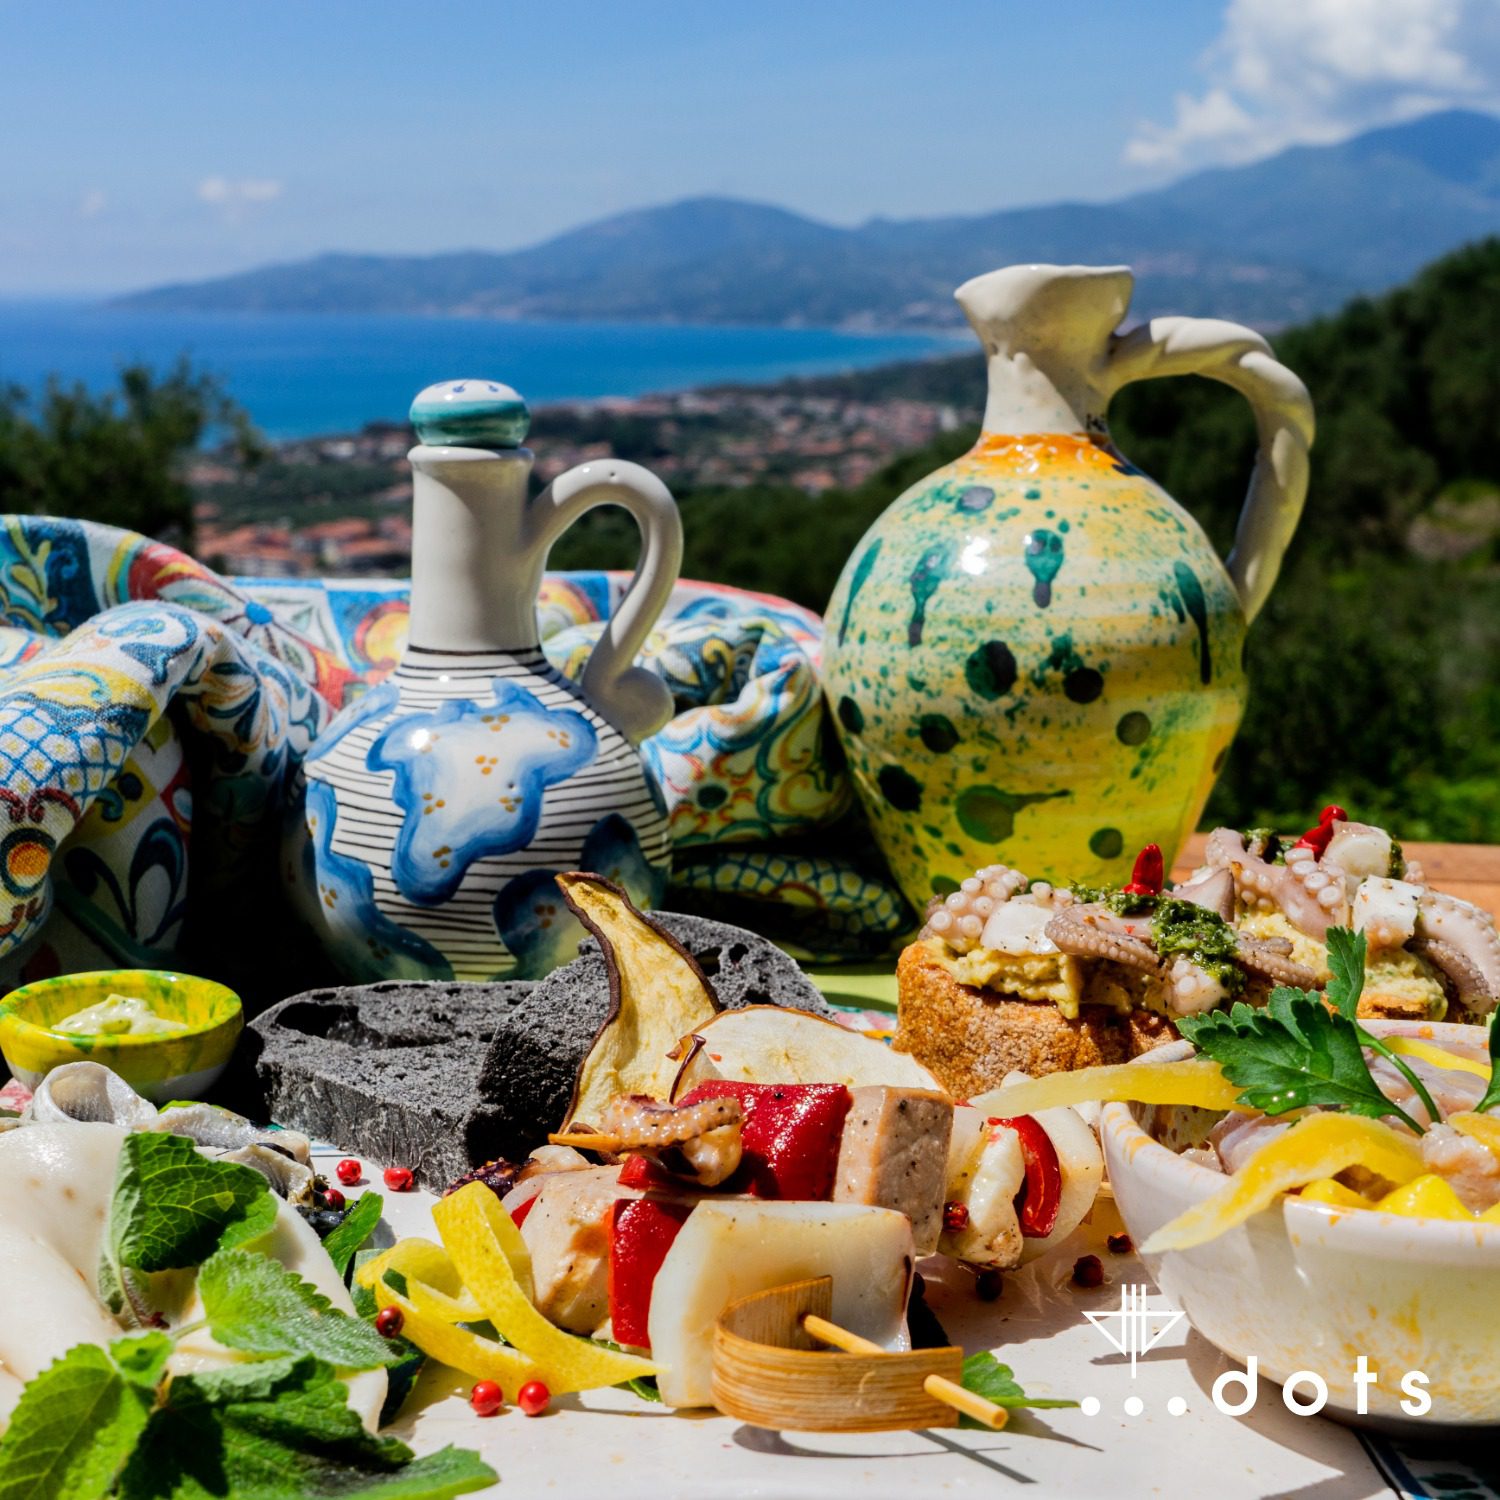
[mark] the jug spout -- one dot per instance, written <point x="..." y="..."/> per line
<point x="474" y="570"/>
<point x="1046" y="332"/>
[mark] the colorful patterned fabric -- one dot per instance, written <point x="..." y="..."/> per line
<point x="151" y="710"/>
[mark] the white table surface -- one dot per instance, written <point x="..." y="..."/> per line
<point x="612" y="1445"/>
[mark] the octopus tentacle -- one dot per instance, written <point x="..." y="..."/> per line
<point x="1213" y="891"/>
<point x="705" y="1135"/>
<point x="1311" y="899"/>
<point x="1268" y="957"/>
<point x="959" y="917"/>
<point x="1093" y="931"/>
<point x="1458" y="933"/>
<point x="1467" y="983"/>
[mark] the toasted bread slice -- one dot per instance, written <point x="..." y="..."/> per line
<point x="972" y="1038"/>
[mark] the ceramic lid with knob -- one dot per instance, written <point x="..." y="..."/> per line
<point x="470" y="414"/>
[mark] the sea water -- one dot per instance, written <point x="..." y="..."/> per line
<point x="299" y="375"/>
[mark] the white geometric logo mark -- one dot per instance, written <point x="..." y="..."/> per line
<point x="1141" y="1328"/>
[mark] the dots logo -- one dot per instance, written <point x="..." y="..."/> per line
<point x="1140" y="1326"/>
<point x="1135" y="1327"/>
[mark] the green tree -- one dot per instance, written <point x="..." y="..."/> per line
<point x="117" y="456"/>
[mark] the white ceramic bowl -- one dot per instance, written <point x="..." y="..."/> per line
<point x="1304" y="1286"/>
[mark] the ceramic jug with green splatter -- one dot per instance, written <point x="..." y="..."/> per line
<point x="1035" y="656"/>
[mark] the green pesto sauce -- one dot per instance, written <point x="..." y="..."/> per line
<point x="1202" y="936"/>
<point x="1177" y="927"/>
<point x="1121" y="903"/>
<point x="1398" y="862"/>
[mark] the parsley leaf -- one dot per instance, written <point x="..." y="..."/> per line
<point x="254" y="1303"/>
<point x="986" y="1376"/>
<point x="1492" y="1093"/>
<point x="282" y="1430"/>
<point x="73" y="1428"/>
<point x="1292" y="1054"/>
<point x="1346" y="961"/>
<point x="358" y="1225"/>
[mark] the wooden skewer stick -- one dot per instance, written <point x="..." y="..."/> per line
<point x="949" y="1392"/>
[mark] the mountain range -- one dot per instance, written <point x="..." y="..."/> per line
<point x="1275" y="241"/>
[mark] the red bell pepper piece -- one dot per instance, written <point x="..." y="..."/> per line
<point x="643" y="1173"/>
<point x="1040" y="1197"/>
<point x="790" y="1137"/>
<point x="1318" y="839"/>
<point x="1149" y="872"/>
<point x="518" y="1214"/>
<point x="641" y="1231"/>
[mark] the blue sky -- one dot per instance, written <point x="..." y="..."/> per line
<point x="155" y="141"/>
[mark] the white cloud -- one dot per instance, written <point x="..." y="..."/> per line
<point x="243" y="190"/>
<point x="232" y="194"/>
<point x="92" y="204"/>
<point x="1284" y="72"/>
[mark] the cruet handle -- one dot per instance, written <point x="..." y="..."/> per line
<point x="1240" y="358"/>
<point x="637" y="702"/>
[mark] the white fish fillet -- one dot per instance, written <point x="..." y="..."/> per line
<point x="55" y="1187"/>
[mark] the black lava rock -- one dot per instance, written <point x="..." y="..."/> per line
<point x="443" y="1077"/>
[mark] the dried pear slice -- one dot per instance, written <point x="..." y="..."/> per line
<point x="657" y="995"/>
<point x="766" y="1044"/>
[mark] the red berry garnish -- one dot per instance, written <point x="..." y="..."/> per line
<point x="1088" y="1270"/>
<point x="388" y="1322"/>
<point x="533" y="1398"/>
<point x="399" y="1179"/>
<point x="988" y="1285"/>
<point x="1119" y="1244"/>
<point x="333" y="1198"/>
<point x="955" y="1218"/>
<point x="487" y="1398"/>
<point x="349" y="1171"/>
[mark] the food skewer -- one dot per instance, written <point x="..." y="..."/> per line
<point x="939" y="1387"/>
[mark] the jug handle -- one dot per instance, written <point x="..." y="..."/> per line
<point x="637" y="702"/>
<point x="1240" y="358"/>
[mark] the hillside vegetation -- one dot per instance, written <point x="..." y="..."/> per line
<point x="1375" y="669"/>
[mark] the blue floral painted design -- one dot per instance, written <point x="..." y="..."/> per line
<point x="346" y="899"/>
<point x="533" y="920"/>
<point x="522" y="745"/>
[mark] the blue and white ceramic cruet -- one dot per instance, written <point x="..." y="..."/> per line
<point x="440" y="804"/>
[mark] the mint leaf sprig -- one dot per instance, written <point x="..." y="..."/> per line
<point x="278" y="1426"/>
<point x="170" y="1209"/>
<point x="278" y="1429"/>
<point x="358" y="1225"/>
<point x="986" y="1376"/>
<point x="1346" y="958"/>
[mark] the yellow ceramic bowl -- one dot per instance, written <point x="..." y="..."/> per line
<point x="183" y="1065"/>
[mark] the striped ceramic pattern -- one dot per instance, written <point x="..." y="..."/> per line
<point x="396" y="901"/>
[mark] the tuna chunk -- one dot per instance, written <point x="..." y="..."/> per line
<point x="894" y="1154"/>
